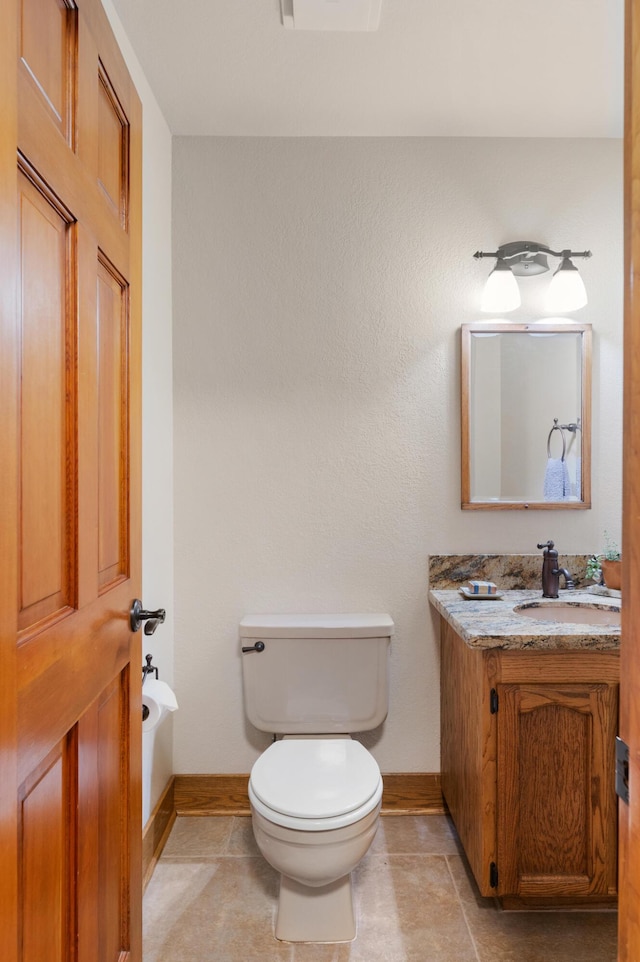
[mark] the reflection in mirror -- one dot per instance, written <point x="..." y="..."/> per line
<point x="526" y="415"/>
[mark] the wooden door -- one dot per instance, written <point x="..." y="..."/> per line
<point x="556" y="804"/>
<point x="70" y="693"/>
<point x="629" y="883"/>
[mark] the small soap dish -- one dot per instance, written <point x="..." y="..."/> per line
<point x="476" y="597"/>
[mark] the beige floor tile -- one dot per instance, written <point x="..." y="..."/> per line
<point x="533" y="936"/>
<point x="198" y="837"/>
<point x="242" y="840"/>
<point x="173" y="889"/>
<point x="215" y="911"/>
<point x="408" y="911"/>
<point x="415" y="835"/>
<point x="213" y="898"/>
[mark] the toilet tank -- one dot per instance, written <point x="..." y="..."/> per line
<point x="317" y="674"/>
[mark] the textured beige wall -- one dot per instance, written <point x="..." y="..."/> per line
<point x="319" y="286"/>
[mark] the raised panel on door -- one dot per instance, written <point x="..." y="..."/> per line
<point x="113" y="811"/>
<point x="556" y="809"/>
<point x="48" y="37"/>
<point x="113" y="147"/>
<point x="104" y="800"/>
<point x="47" y="407"/>
<point x="47" y="801"/>
<point x="113" y="424"/>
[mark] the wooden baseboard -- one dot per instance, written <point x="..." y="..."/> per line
<point x="410" y="793"/>
<point x="413" y="793"/>
<point x="156" y="831"/>
<point x="212" y="795"/>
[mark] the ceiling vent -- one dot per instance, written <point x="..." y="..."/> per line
<point x="331" y="14"/>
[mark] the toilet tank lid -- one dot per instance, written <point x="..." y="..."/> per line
<point x="317" y="626"/>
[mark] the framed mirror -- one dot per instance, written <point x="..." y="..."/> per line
<point x="526" y="415"/>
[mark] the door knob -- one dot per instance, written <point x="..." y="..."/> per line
<point x="137" y="614"/>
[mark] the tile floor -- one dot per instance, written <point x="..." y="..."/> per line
<point x="213" y="897"/>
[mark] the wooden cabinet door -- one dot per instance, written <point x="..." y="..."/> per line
<point x="556" y="802"/>
<point x="70" y="198"/>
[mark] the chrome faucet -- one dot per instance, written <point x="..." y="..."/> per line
<point x="551" y="572"/>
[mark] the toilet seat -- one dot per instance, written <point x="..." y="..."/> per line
<point x="315" y="784"/>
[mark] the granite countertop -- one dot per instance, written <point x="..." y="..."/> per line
<point x="492" y="623"/>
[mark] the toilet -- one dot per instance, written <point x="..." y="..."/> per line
<point x="315" y="793"/>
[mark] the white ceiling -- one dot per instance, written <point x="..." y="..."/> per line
<point x="495" y="68"/>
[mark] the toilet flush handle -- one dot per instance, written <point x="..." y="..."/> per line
<point x="259" y="646"/>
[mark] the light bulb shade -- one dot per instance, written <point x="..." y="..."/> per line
<point x="566" y="290"/>
<point x="501" y="292"/>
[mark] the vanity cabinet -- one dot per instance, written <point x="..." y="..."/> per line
<point x="528" y="756"/>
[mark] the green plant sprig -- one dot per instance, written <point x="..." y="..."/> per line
<point x="594" y="563"/>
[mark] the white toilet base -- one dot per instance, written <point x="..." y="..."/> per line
<point x="315" y="914"/>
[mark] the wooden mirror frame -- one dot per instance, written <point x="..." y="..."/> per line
<point x="539" y="327"/>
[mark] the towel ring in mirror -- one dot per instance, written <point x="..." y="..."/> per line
<point x="557" y="427"/>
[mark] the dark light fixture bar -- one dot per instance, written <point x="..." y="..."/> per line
<point x="529" y="248"/>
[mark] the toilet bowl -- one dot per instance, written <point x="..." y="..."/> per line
<point x="315" y="804"/>
<point x="315" y="793"/>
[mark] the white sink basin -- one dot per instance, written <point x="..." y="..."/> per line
<point x="577" y="614"/>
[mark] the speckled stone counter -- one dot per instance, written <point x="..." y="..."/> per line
<point x="493" y="623"/>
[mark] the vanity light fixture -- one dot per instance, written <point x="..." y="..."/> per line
<point x="524" y="258"/>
